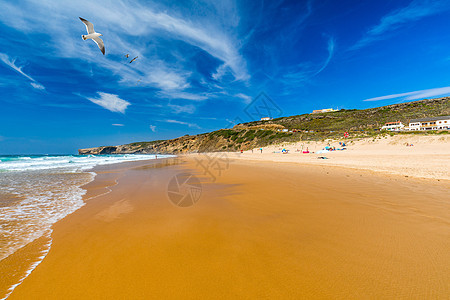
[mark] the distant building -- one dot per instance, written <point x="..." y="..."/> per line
<point x="285" y="130"/>
<point x="325" y="110"/>
<point x="266" y="119"/>
<point x="436" y="123"/>
<point x="393" y="126"/>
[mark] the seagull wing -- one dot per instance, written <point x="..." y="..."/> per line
<point x="89" y="25"/>
<point x="133" y="59"/>
<point x="100" y="44"/>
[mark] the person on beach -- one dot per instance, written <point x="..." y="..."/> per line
<point x="260" y="149"/>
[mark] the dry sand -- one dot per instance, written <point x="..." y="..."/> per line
<point x="261" y="230"/>
<point x="428" y="158"/>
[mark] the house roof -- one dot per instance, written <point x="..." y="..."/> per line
<point x="392" y="123"/>
<point x="430" y="119"/>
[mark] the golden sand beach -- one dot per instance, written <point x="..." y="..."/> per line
<point x="260" y="230"/>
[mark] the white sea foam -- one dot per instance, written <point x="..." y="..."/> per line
<point x="72" y="162"/>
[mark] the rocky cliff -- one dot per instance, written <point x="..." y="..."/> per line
<point x="240" y="137"/>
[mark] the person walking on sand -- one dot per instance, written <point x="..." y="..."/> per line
<point x="260" y="149"/>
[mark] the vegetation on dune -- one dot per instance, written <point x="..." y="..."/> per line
<point x="306" y="127"/>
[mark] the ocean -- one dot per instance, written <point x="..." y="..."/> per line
<point x="38" y="190"/>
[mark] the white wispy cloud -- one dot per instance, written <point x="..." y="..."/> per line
<point x="443" y="91"/>
<point x="12" y="64"/>
<point x="118" y="125"/>
<point x="191" y="125"/>
<point x="174" y="94"/>
<point x="152" y="128"/>
<point x="110" y="102"/>
<point x="37" y="86"/>
<point x="415" y="10"/>
<point x="189" y="109"/>
<point x="247" y="99"/>
<point x="135" y="27"/>
<point x="330" y="48"/>
<point x="307" y="70"/>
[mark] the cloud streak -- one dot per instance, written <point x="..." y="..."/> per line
<point x="110" y="102"/>
<point x="305" y="71"/>
<point x="414" y="11"/>
<point x="12" y="64"/>
<point x="124" y="26"/>
<point x="189" y="109"/>
<point x="247" y="99"/>
<point x="415" y="95"/>
<point x="331" y="47"/>
<point x="191" y="125"/>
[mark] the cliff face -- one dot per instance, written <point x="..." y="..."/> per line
<point x="303" y="127"/>
<point x="240" y="137"/>
<point x="198" y="143"/>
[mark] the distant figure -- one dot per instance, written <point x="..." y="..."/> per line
<point x="93" y="35"/>
<point x="260" y="149"/>
<point x="127" y="55"/>
<point x="242" y="151"/>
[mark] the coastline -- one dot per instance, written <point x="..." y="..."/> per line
<point x="262" y="229"/>
<point x="18" y="265"/>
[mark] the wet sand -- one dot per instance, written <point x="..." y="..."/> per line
<point x="261" y="230"/>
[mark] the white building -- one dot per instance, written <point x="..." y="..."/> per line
<point x="266" y="119"/>
<point x="325" y="110"/>
<point x="393" y="126"/>
<point x="436" y="123"/>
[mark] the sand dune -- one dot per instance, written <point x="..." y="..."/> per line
<point x="428" y="158"/>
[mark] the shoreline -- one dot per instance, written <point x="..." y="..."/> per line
<point x="251" y="232"/>
<point x="22" y="262"/>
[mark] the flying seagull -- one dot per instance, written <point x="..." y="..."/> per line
<point x="93" y="35"/>
<point x="127" y="55"/>
<point x="133" y="59"/>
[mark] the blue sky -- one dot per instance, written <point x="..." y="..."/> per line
<point x="200" y="64"/>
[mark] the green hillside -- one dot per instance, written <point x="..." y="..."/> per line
<point x="358" y="123"/>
